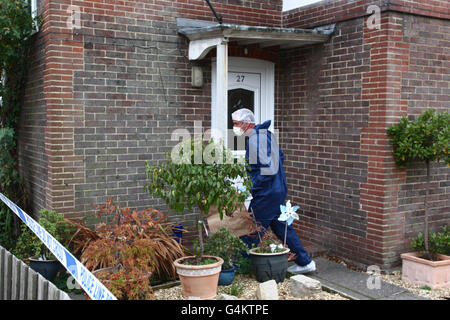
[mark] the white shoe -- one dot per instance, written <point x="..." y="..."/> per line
<point x="310" y="267"/>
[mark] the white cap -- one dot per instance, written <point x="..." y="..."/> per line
<point x="243" y="115"/>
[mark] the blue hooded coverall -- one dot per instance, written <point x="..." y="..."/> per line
<point x="269" y="189"/>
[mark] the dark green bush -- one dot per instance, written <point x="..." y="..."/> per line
<point x="225" y="245"/>
<point x="29" y="245"/>
<point x="437" y="242"/>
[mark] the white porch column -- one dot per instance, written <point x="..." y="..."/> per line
<point x="219" y="118"/>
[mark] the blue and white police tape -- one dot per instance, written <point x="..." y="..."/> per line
<point x="91" y="285"/>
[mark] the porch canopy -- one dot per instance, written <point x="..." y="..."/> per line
<point x="205" y="35"/>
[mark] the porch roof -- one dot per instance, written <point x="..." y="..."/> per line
<point x="285" y="38"/>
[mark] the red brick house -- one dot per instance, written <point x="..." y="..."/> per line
<point x="106" y="91"/>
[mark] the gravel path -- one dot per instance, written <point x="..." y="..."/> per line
<point x="249" y="285"/>
<point x="395" y="278"/>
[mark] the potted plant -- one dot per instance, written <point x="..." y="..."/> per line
<point x="200" y="175"/>
<point x="32" y="250"/>
<point x="426" y="139"/>
<point x="438" y="243"/>
<point x="225" y="245"/>
<point x="270" y="257"/>
<point x="137" y="246"/>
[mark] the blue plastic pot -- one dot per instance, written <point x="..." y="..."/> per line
<point x="226" y="277"/>
<point x="177" y="234"/>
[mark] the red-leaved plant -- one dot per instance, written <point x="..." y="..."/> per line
<point x="137" y="246"/>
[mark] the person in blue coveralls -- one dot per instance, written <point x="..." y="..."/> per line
<point x="269" y="188"/>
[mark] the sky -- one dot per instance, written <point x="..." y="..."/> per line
<point x="292" y="4"/>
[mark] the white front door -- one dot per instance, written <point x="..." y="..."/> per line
<point x="251" y="86"/>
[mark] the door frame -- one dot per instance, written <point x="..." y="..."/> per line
<point x="267" y="91"/>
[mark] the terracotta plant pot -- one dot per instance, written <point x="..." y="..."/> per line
<point x="199" y="281"/>
<point x="434" y="274"/>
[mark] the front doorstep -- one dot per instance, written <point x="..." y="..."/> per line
<point x="434" y="274"/>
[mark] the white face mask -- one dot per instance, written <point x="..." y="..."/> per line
<point x="238" y="131"/>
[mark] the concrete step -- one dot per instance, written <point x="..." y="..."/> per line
<point x="355" y="285"/>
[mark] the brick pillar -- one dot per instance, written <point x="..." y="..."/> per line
<point x="382" y="88"/>
<point x="63" y="55"/>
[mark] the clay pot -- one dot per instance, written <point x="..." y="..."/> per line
<point x="434" y="274"/>
<point x="199" y="281"/>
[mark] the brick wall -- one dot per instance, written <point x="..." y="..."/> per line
<point x="135" y="89"/>
<point x="321" y="116"/>
<point x="425" y="84"/>
<point x="112" y="92"/>
<point x="32" y="158"/>
<point x="331" y="11"/>
<point x="356" y="202"/>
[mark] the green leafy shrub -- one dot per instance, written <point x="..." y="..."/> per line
<point x="235" y="289"/>
<point x="184" y="181"/>
<point x="437" y="242"/>
<point x="425" y="139"/>
<point x="29" y="245"/>
<point x="227" y="246"/>
<point x="244" y="265"/>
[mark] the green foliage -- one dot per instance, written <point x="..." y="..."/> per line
<point x="438" y="242"/>
<point x="29" y="245"/>
<point x="8" y="176"/>
<point x="235" y="289"/>
<point x="16" y="28"/>
<point x="225" y="245"/>
<point x="203" y="262"/>
<point x="200" y="175"/>
<point x="265" y="246"/>
<point x="188" y="182"/>
<point x="425" y="139"/>
<point x="60" y="282"/>
<point x="244" y="265"/>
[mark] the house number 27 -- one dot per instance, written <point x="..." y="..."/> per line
<point x="240" y="78"/>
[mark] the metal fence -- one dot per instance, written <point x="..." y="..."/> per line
<point x="19" y="282"/>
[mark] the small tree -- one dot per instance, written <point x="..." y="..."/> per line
<point x="198" y="174"/>
<point x="425" y="139"/>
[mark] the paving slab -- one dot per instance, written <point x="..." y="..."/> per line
<point x="356" y="285"/>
